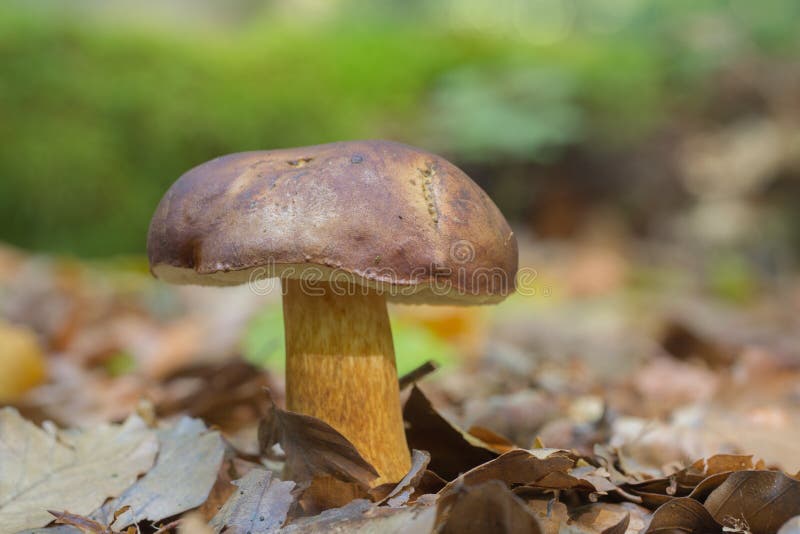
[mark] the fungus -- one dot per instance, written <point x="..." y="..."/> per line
<point x="346" y="231"/>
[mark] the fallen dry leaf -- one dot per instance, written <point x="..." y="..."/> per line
<point x="696" y="481"/>
<point x="228" y="395"/>
<point x="313" y="448"/>
<point x="761" y="500"/>
<point x="184" y="473"/>
<point x="194" y="523"/>
<point x="232" y="468"/>
<point x="43" y="468"/>
<point x="685" y="343"/>
<point x="488" y="507"/>
<point x="707" y="485"/>
<point x="498" y="443"/>
<point x="600" y="518"/>
<point x="259" y="506"/>
<point x="683" y="515"/>
<point x="452" y="451"/>
<point x="640" y="517"/>
<point x="792" y="526"/>
<point x="403" y="490"/>
<point x="518" y="466"/>
<point x="363" y="517"/>
<point x="430" y="483"/>
<point x="550" y="513"/>
<point x="82" y="523"/>
<point x="326" y="492"/>
<point x="720" y="463"/>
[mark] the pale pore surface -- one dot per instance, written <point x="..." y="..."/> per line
<point x="398" y="291"/>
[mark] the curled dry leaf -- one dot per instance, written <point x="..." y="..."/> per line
<point x="452" y="450"/>
<point x="761" y="500"/>
<point x="313" y="448"/>
<point x="697" y="481"/>
<point x="403" y="490"/>
<point x="519" y="466"/>
<point x="608" y="457"/>
<point x="185" y="471"/>
<point x="597" y="477"/>
<point x="326" y="492"/>
<point x="259" y="506"/>
<point x="488" y="507"/>
<point x="721" y="463"/>
<point x="102" y="462"/>
<point x="683" y="515"/>
<point x="495" y="441"/>
<point x="707" y="485"/>
<point x="429" y="484"/>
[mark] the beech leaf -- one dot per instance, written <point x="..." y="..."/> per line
<point x="364" y="517"/>
<point x="761" y="500"/>
<point x="600" y="518"/>
<point x="488" y="507"/>
<point x="452" y="450"/>
<point x="402" y="491"/>
<point x="259" y="506"/>
<point x="182" y="478"/>
<point x="683" y="514"/>
<point x="313" y="448"/>
<point x="45" y="469"/>
<point x="518" y="466"/>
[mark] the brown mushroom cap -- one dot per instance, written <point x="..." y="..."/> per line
<point x="378" y="213"/>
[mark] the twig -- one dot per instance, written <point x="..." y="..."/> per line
<point x="417" y="374"/>
<point x="169" y="526"/>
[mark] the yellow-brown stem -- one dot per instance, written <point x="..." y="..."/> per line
<point x="340" y="368"/>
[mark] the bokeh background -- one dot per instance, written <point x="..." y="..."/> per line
<point x="666" y="118"/>
<point x="647" y="154"/>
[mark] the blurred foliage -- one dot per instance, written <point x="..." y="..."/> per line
<point x="101" y="111"/>
<point x="731" y="278"/>
<point x="263" y="343"/>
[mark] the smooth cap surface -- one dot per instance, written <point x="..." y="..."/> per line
<point x="377" y="213"/>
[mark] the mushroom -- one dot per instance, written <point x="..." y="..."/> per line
<point x="347" y="227"/>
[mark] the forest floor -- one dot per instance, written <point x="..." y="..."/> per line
<point x="627" y="391"/>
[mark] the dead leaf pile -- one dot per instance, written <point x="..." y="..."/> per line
<point x="625" y="396"/>
<point x="95" y="476"/>
<point x="117" y="477"/>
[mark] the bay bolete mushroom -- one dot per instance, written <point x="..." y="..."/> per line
<point x="347" y="227"/>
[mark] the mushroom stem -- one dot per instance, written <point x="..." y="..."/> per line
<point x="340" y="368"/>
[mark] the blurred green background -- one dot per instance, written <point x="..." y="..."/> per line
<point x="667" y="118"/>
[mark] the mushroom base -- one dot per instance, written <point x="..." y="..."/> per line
<point x="340" y="368"/>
